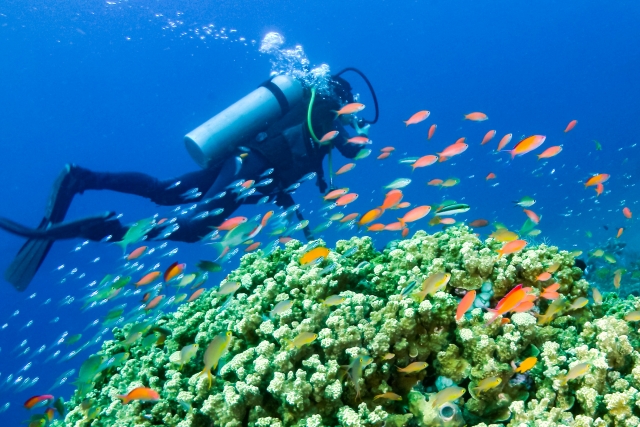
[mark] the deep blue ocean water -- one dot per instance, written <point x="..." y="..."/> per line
<point x="116" y="85"/>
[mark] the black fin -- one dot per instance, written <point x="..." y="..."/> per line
<point x="27" y="262"/>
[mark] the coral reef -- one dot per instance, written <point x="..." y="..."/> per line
<point x="335" y="362"/>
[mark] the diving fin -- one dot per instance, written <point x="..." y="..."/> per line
<point x="28" y="260"/>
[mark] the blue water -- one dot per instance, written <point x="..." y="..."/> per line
<point x="115" y="86"/>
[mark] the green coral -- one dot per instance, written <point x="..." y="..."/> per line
<point x="260" y="382"/>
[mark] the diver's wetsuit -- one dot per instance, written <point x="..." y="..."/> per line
<point x="286" y="146"/>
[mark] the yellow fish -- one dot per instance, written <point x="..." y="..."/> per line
<point x="488" y="384"/>
<point x="597" y="296"/>
<point x="609" y="258"/>
<point x="388" y="395"/>
<point x="333" y="300"/>
<point x="527" y="364"/>
<point x="448" y="394"/>
<point x="575" y="254"/>
<point x="303" y="338"/>
<point x="354" y="370"/>
<point x="578" y="303"/>
<point x="577" y="371"/>
<point x="314" y="255"/>
<point x="186" y="354"/>
<point x="503" y="235"/>
<point x="388" y="356"/>
<point x="214" y="352"/>
<point x="597" y="253"/>
<point x="413" y="367"/>
<point x="632" y="316"/>
<point x="227" y="288"/>
<point x="432" y="284"/>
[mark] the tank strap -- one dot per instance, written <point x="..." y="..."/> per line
<point x="280" y="97"/>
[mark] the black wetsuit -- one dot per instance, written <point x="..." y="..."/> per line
<point x="286" y="147"/>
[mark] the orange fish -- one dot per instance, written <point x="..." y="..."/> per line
<point x="154" y="302"/>
<point x="360" y="140"/>
<point x="479" y="223"/>
<point x="391" y="199"/>
<point x="148" y="278"/>
<point x="511" y="247"/>
<point x="447" y="221"/>
<point x="550" y="152"/>
<point x="465" y="304"/>
<point x="405" y="232"/>
<point x="137" y="253"/>
<point x="387" y="149"/>
<point x="36" y="401"/>
<point x="435" y="182"/>
<point x="627" y="212"/>
<point x="394" y="226"/>
<point x="173" y="270"/>
<point x="417" y="118"/>
<point x="370" y="216"/>
<point x="376" y="227"/>
<point x="504" y="141"/>
<point x="352" y="108"/>
<point x="346" y="199"/>
<point x="252" y="247"/>
<point x="265" y="218"/>
<point x="415" y="214"/>
<point x="424" y="161"/>
<point x="143" y="394"/>
<point x="334" y="194"/>
<point x="402" y="205"/>
<point x="232" y="223"/>
<point x="452" y="150"/>
<point x="432" y="130"/>
<point x="532" y="216"/>
<point x="195" y="295"/>
<point x="346" y="168"/>
<point x="490" y="176"/>
<point x="508" y="303"/>
<point x="488" y="137"/>
<point x="571" y="125"/>
<point x="248" y="184"/>
<point x="620" y="230"/>
<point x="384" y="155"/>
<point x="476" y="117"/>
<point x="551" y="292"/>
<point x="544" y="277"/>
<point x="327" y="137"/>
<point x="349" y="217"/>
<point x="527" y="145"/>
<point x="599" y="189"/>
<point x="597" y="179"/>
<point x="524" y="306"/>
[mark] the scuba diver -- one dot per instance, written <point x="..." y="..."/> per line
<point x="257" y="150"/>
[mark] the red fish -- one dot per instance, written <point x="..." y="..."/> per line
<point x="346" y="199"/>
<point x="327" y="137"/>
<point x="195" y="295"/>
<point x="384" y="155"/>
<point x="137" y="253"/>
<point x="435" y="181"/>
<point x="346" y="168"/>
<point x="476" y="117"/>
<point x="432" y="130"/>
<point x="335" y="194"/>
<point x="504" y="141"/>
<point x="490" y="176"/>
<point x="532" y="216"/>
<point x="352" y="108"/>
<point x="550" y="152"/>
<point x="375" y="227"/>
<point x="232" y="223"/>
<point x="512" y="247"/>
<point x="349" y="217"/>
<point x="488" y="137"/>
<point x="387" y="149"/>
<point x="417" y="118"/>
<point x="148" y="278"/>
<point x="465" y="304"/>
<point x="37" y="401"/>
<point x="571" y="125"/>
<point x="479" y="223"/>
<point x="391" y="199"/>
<point x="415" y="214"/>
<point x="252" y="247"/>
<point x="599" y="189"/>
<point x="360" y="140"/>
<point x="265" y="219"/>
<point x="452" y="150"/>
<point x="424" y="161"/>
<point x="627" y="212"/>
<point x="154" y="302"/>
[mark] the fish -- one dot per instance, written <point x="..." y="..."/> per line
<point x="597" y="296"/>
<point x="487" y="384"/>
<point x="532" y="216"/>
<point x="215" y="350"/>
<point x="328" y="137"/>
<point x="137" y="253"/>
<point x="185" y="355"/>
<point x="620" y="231"/>
<point x="333" y="300"/>
<point x="417" y="118"/>
<point x="303" y="338"/>
<point x="433" y="284"/>
<point x="346" y="199"/>
<point x="360" y="140"/>
<point x="335" y="194"/>
<point x="384" y="155"/>
<point x="447" y="395"/>
<point x="432" y="130"/>
<point x="550" y="152"/>
<point x="550" y="292"/>
<point x="232" y="223"/>
<point x="526" y="202"/>
<point x="617" y="277"/>
<point x="398" y="183"/>
<point x="355" y="369"/>
<point x="488" y="137"/>
<point x="452" y="150"/>
<point x="597" y="179"/>
<point x="195" y="295"/>
<point x="388" y="395"/>
<point x="415" y="214"/>
<point x="414" y="367"/>
<point x="346" y="168"/>
<point x="143" y="394"/>
<point x="476" y="117"/>
<point x="465" y="304"/>
<point x="627" y="212"/>
<point x="490" y="176"/>
<point x="174" y="270"/>
<point x="391" y="199"/>
<point x="527" y="145"/>
<point x="526" y="365"/>
<point x="632" y="316"/>
<point x="351" y="108"/>
<point x="510" y="301"/>
<point x="424" y="161"/>
<point x="435" y="181"/>
<point x="314" y="255"/>
<point x="227" y="288"/>
<point x="38" y="401"/>
<point x="209" y="266"/>
<point x="280" y="308"/>
<point x="478" y="223"/>
<point x="504" y="141"/>
<point x="154" y="302"/>
<point x="453" y="209"/>
<point x="362" y="154"/>
<point x="136" y="232"/>
<point x="570" y="126"/>
<point x="512" y="247"/>
<point x="576" y="371"/>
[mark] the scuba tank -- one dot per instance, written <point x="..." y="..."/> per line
<point x="219" y="136"/>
